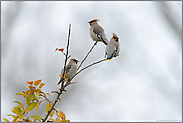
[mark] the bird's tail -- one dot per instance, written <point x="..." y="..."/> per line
<point x="109" y="58"/>
<point x="104" y="40"/>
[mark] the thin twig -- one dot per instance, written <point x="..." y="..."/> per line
<point x="69" y="82"/>
<point x="87" y="54"/>
<point x="62" y="85"/>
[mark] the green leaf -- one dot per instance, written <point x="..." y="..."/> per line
<point x="31" y="106"/>
<point x="30" y="98"/>
<point x="17" y="102"/>
<point x="36" y="117"/>
<point x="18" y="112"/>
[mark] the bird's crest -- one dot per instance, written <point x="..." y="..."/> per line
<point x="115" y="36"/>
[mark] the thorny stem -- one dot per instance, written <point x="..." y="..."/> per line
<point x="87" y="54"/>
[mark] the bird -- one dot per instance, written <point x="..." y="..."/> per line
<point x="112" y="48"/>
<point x="97" y="32"/>
<point x="70" y="70"/>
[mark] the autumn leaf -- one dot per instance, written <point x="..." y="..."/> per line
<point x="62" y="115"/>
<point x="48" y="107"/>
<point x="20" y="105"/>
<point x="19" y="93"/>
<point x="36" y="117"/>
<point x="52" y="113"/>
<point x="30" y="98"/>
<point x="11" y="115"/>
<point x="59" y="49"/>
<point x="17" y="102"/>
<point x="30" y="82"/>
<point x="57" y="120"/>
<point x="48" y="94"/>
<point x="41" y="85"/>
<point x="37" y="82"/>
<point x="65" y="120"/>
<point x="31" y="106"/>
<point x="18" y="112"/>
<point x="37" y="108"/>
<point x="6" y="120"/>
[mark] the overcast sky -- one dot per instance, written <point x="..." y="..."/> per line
<point x="143" y="84"/>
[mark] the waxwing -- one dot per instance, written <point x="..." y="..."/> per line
<point x="113" y="47"/>
<point x="71" y="69"/>
<point x="97" y="32"/>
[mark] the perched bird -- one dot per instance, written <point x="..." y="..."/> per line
<point x="112" y="48"/>
<point x="97" y="32"/>
<point x="70" y="70"/>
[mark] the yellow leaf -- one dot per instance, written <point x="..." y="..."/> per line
<point x="12" y="110"/>
<point x="50" y="119"/>
<point x="37" y="108"/>
<point x="15" y="119"/>
<point x="30" y="98"/>
<point x="52" y="113"/>
<point x="36" y="117"/>
<point x="37" y="82"/>
<point x="62" y="115"/>
<point x="48" y="107"/>
<point x="48" y="94"/>
<point x="58" y="109"/>
<point x="19" y="93"/>
<point x="31" y="106"/>
<point x="17" y="102"/>
<point x="57" y="120"/>
<point x="65" y="120"/>
<point x="6" y="120"/>
<point x="43" y="94"/>
<point x="24" y="110"/>
<point x="41" y="85"/>
<point x="20" y="105"/>
<point x="18" y="112"/>
<point x="11" y="115"/>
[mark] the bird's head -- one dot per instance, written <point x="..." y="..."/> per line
<point x="115" y="37"/>
<point x="93" y="21"/>
<point x="74" y="60"/>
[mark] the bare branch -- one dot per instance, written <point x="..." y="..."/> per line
<point x="87" y="54"/>
<point x="69" y="82"/>
<point x="62" y="85"/>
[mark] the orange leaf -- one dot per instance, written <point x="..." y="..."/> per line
<point x="37" y="108"/>
<point x="48" y="94"/>
<point x="59" y="49"/>
<point x="30" y="82"/>
<point x="62" y="115"/>
<point x="57" y="120"/>
<point x="20" y="105"/>
<point x="37" y="82"/>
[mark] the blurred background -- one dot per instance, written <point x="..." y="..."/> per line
<point x="143" y="84"/>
